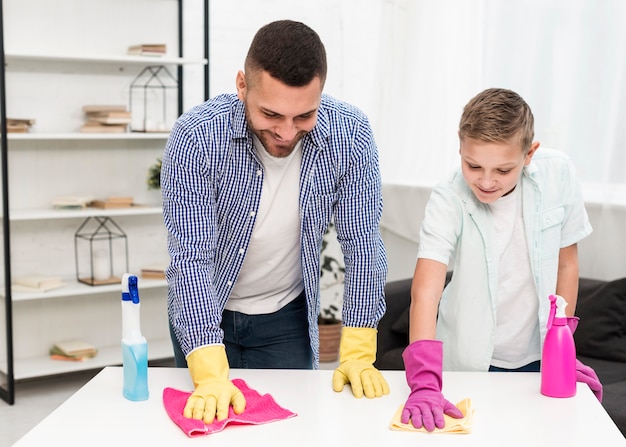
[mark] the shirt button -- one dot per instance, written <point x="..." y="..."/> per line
<point x="241" y="251"/>
<point x="252" y="213"/>
<point x="230" y="283"/>
<point x="258" y="172"/>
<point x="548" y="221"/>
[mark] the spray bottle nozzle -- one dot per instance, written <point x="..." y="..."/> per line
<point x="133" y="289"/>
<point x="557" y="309"/>
<point x="130" y="290"/>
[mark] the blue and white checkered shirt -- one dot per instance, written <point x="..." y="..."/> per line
<point x="211" y="183"/>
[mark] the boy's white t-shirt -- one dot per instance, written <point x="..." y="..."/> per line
<point x="271" y="274"/>
<point x="517" y="339"/>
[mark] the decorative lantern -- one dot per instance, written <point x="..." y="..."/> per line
<point x="100" y="247"/>
<point x="148" y="86"/>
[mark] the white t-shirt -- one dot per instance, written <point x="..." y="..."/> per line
<point x="517" y="339"/>
<point x="271" y="275"/>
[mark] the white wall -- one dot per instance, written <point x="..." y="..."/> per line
<point x="348" y="28"/>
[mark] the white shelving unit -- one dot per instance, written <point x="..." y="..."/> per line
<point x="54" y="159"/>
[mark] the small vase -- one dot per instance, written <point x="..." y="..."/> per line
<point x="330" y="336"/>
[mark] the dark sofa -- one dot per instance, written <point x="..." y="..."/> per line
<point x="600" y="337"/>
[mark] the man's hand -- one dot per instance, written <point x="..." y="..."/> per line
<point x="214" y="393"/>
<point x="357" y="354"/>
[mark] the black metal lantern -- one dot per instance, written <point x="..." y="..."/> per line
<point x="100" y="248"/>
<point x="158" y="80"/>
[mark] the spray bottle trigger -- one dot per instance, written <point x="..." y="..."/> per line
<point x="552" y="311"/>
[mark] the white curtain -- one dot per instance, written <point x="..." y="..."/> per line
<point x="565" y="57"/>
<point x="412" y="65"/>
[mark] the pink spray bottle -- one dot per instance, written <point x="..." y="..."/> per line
<point x="558" y="358"/>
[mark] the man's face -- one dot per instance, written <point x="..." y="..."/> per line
<point x="492" y="170"/>
<point x="278" y="114"/>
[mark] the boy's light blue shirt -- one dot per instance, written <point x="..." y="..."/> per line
<point x="458" y="228"/>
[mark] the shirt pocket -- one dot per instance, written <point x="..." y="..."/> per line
<point x="551" y="223"/>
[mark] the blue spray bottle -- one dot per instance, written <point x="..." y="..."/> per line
<point x="134" y="344"/>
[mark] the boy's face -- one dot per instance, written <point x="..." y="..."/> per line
<point x="278" y="114"/>
<point x="492" y="170"/>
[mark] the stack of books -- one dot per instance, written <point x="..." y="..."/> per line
<point x="105" y="118"/>
<point x="19" y="125"/>
<point x="148" y="49"/>
<point x="73" y="350"/>
<point x="36" y="283"/>
<point x="71" y="202"/>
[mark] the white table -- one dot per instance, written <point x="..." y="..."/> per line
<point x="509" y="410"/>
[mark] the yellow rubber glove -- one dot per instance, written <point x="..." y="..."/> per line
<point x="214" y="392"/>
<point x="357" y="353"/>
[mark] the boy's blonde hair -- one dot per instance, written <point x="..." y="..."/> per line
<point x="498" y="115"/>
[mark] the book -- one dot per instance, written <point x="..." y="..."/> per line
<point x="113" y="202"/>
<point x="17" y="125"/>
<point x="148" y="49"/>
<point x="107" y="118"/>
<point x="72" y="202"/>
<point x="154" y="271"/>
<point x="91" y="127"/>
<point x="37" y="283"/>
<point x="76" y="350"/>
<point x="98" y="108"/>
<point x="114" y="117"/>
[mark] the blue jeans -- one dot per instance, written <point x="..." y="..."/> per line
<point x="531" y="367"/>
<point x="278" y="340"/>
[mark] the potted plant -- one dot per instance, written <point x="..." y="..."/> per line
<point x="332" y="274"/>
<point x="154" y="175"/>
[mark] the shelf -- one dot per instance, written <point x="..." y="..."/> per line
<point x="33" y="367"/>
<point x="50" y="136"/>
<point x="103" y="59"/>
<point x="74" y="288"/>
<point x="51" y="213"/>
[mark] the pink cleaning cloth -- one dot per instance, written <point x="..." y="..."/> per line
<point x="259" y="410"/>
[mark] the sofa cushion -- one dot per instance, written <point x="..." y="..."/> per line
<point x="401" y="325"/>
<point x="391" y="360"/>
<point x="601" y="332"/>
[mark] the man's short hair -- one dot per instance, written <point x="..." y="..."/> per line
<point x="498" y="115"/>
<point x="289" y="51"/>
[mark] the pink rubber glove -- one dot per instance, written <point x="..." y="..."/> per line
<point x="572" y="324"/>
<point x="584" y="373"/>
<point x="426" y="405"/>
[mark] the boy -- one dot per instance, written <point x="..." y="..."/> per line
<point x="511" y="218"/>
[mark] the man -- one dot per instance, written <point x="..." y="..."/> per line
<point x="250" y="182"/>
